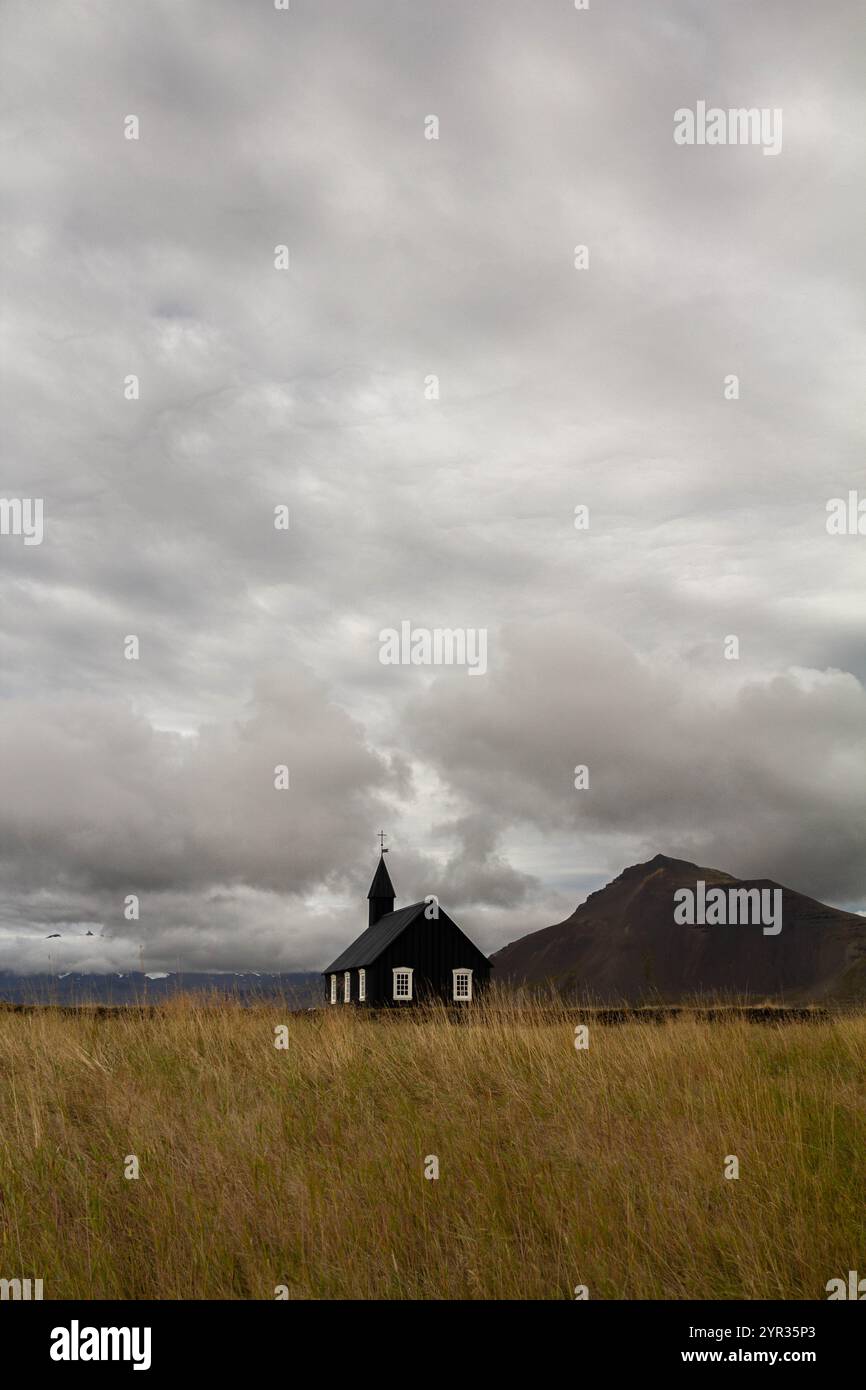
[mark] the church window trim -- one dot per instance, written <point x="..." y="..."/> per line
<point x="462" y="987"/>
<point x="403" y="983"/>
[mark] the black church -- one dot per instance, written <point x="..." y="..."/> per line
<point x="405" y="957"/>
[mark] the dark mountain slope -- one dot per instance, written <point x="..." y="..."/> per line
<point x="623" y="945"/>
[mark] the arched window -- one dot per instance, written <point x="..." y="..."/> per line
<point x="347" y="986"/>
<point x="333" y="989"/>
<point x="462" y="984"/>
<point x="403" y="982"/>
<point x="362" y="986"/>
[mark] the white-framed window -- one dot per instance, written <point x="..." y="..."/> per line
<point x="333" y="989"/>
<point x="347" y="986"/>
<point x="403" y="982"/>
<point x="462" y="984"/>
<point x="362" y="986"/>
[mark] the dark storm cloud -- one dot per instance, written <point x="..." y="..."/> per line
<point x="760" y="776"/>
<point x="558" y="387"/>
<point x="97" y="796"/>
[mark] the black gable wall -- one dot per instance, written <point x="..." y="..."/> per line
<point x="433" y="949"/>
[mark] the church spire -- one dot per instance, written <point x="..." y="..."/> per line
<point x="381" y="895"/>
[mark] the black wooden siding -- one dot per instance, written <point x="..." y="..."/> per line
<point x="433" y="949"/>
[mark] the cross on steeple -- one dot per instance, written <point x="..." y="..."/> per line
<point x="381" y="894"/>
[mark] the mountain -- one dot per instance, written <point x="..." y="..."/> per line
<point x="298" y="990"/>
<point x="623" y="945"/>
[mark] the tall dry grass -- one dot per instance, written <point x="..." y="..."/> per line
<point x="305" y="1167"/>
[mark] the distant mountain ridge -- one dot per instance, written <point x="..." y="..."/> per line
<point x="298" y="988"/>
<point x="623" y="946"/>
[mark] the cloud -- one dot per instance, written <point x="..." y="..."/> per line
<point x="99" y="805"/>
<point x="559" y="387"/>
<point x="759" y="776"/>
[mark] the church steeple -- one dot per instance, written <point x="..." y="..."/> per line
<point x="381" y="895"/>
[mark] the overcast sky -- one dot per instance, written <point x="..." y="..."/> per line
<point x="412" y="257"/>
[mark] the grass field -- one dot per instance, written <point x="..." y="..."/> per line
<point x="304" y="1166"/>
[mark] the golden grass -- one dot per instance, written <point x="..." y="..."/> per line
<point x="305" y="1167"/>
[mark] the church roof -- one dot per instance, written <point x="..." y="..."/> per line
<point x="371" y="943"/>
<point x="382" y="887"/>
